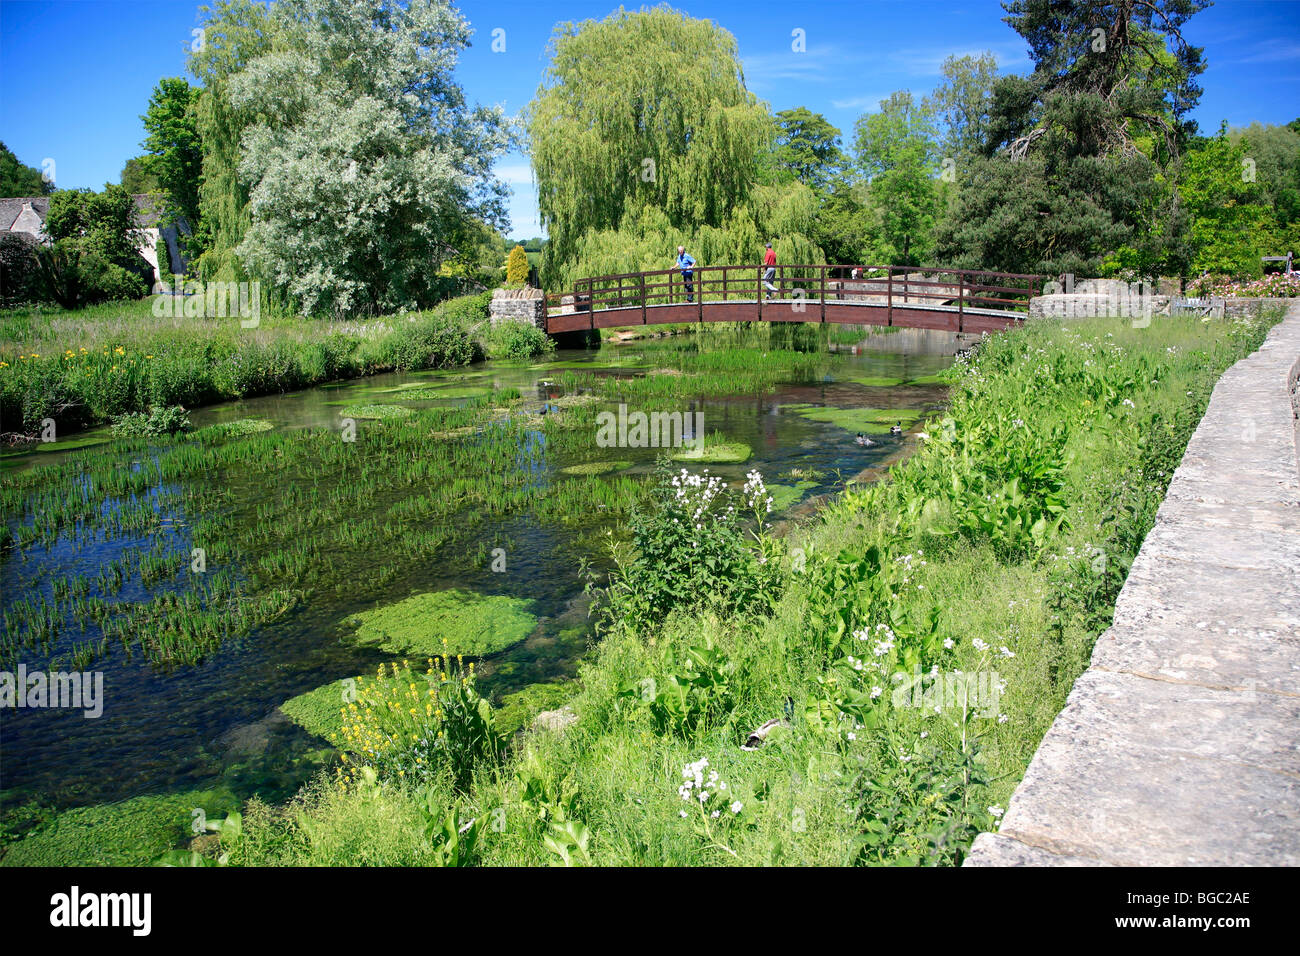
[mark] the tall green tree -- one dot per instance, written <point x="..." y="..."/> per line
<point x="808" y="147"/>
<point x="1231" y="221"/>
<point x="17" y="180"/>
<point x="1274" y="152"/>
<point x="235" y="32"/>
<point x="137" y="176"/>
<point x="1078" y="153"/>
<point x="896" y="152"/>
<point x="643" y="136"/>
<point x="175" y="154"/>
<point x="962" y="103"/>
<point x="94" y="253"/>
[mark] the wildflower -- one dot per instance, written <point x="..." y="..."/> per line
<point x="996" y="811"/>
<point x="737" y="807"/>
<point x="979" y="645"/>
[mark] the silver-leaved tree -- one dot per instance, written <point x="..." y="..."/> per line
<point x="365" y="165"/>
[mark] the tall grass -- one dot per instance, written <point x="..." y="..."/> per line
<point x="82" y="368"/>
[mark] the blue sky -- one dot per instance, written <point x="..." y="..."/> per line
<point x="76" y="74"/>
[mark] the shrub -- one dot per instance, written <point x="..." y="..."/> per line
<point x="517" y="267"/>
<point x="693" y="549"/>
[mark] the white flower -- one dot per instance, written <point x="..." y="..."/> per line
<point x="948" y="643"/>
<point x="737" y="807"/>
<point x="979" y="645"/>
<point x="996" y="811"/>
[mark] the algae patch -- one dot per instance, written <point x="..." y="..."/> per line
<point x="135" y="832"/>
<point x="595" y="467"/>
<point x="870" y="420"/>
<point x="717" y="453"/>
<point x="375" y="411"/>
<point x="518" y="709"/>
<point x="446" y="622"/>
<point x="240" y="426"/>
<point x="783" y="496"/>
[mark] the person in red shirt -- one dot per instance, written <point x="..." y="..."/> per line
<point x="769" y="273"/>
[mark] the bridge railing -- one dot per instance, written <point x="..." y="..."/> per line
<point x="881" y="285"/>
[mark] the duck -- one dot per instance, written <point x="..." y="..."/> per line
<point x="863" y="440"/>
<point x="896" y="429"/>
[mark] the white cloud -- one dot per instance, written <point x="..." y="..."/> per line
<point x="868" y="101"/>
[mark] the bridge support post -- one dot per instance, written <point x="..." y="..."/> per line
<point x="823" y="272"/>
<point x="961" y="290"/>
<point x="889" y="296"/>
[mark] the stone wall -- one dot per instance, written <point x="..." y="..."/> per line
<point x="1115" y="298"/>
<point x="1180" y="745"/>
<point x="518" y="305"/>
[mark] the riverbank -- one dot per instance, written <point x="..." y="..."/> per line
<point x="1004" y="543"/>
<point x="82" y="368"/>
<point x="996" y="551"/>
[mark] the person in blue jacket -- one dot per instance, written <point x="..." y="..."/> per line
<point x="686" y="263"/>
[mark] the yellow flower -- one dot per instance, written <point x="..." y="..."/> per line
<point x="119" y="351"/>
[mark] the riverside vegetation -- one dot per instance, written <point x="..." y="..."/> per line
<point x="998" y="547"/>
<point x="86" y="367"/>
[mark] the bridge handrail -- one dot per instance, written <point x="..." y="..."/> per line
<point x="815" y="283"/>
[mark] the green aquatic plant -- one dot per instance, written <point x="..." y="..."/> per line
<point x="234" y="429"/>
<point x="446" y="622"/>
<point x="714" y="451"/>
<point x="595" y="467"/>
<point x="518" y="709"/>
<point x="375" y="411"/>
<point x="876" y="421"/>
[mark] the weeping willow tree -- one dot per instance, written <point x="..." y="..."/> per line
<point x="644" y="137"/>
<point x="234" y="33"/>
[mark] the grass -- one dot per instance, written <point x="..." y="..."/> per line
<point x="1112" y="404"/>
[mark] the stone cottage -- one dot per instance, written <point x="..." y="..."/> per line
<point x="26" y="215"/>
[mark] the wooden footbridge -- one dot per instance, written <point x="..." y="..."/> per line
<point x="954" y="300"/>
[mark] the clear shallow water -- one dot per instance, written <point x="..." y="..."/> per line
<point x="218" y="724"/>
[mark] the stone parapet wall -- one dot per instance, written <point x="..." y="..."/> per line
<point x="1180" y="745"/>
